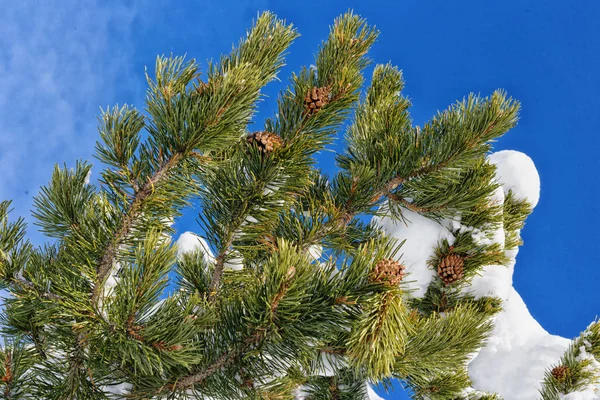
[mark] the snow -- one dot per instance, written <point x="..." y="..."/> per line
<point x="518" y="352"/>
<point x="481" y="236"/>
<point x="236" y="262"/>
<point x="109" y="285"/>
<point x="519" y="349"/>
<point x="118" y="389"/>
<point x="315" y="251"/>
<point x="494" y="280"/>
<point x="516" y="355"/>
<point x="371" y="395"/>
<point x="189" y="242"/>
<point x="517" y="172"/>
<point x="422" y="235"/>
<point x="329" y="364"/>
<point x="88" y="177"/>
<point x="581" y="395"/>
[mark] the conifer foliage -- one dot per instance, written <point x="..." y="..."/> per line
<point x="89" y="316"/>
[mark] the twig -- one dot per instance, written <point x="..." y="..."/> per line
<point x="229" y="356"/>
<point x="407" y="204"/>
<point x="108" y="257"/>
<point x="225" y="359"/>
<point x="28" y="285"/>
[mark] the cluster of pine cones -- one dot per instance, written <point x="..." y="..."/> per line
<point x="267" y="142"/>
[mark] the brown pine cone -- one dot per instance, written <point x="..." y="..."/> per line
<point x="451" y="268"/>
<point x="388" y="271"/>
<point x="561" y="372"/>
<point x="315" y="99"/>
<point x="266" y="142"/>
<point x="202" y="87"/>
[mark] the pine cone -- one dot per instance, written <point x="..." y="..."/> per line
<point x="266" y="142"/>
<point x="388" y="271"/>
<point x="561" y="372"/>
<point x="134" y="332"/>
<point x="202" y="87"/>
<point x="315" y="99"/>
<point x="451" y="268"/>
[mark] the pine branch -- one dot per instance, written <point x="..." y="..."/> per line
<point x="180" y="123"/>
<point x="8" y="376"/>
<point x="410" y="206"/>
<point x="387" y="155"/>
<point x="365" y="191"/>
<point x="222" y="361"/>
<point x="334" y="389"/>
<point x="14" y="253"/>
<point x="340" y="62"/>
<point x="441" y="344"/>
<point x="346" y="384"/>
<point x="241" y="211"/>
<point x="578" y="369"/>
<point x="133" y="212"/>
<point x="287" y="259"/>
<point x="38" y="345"/>
<point x="396" y="181"/>
<point x="218" y="271"/>
<point x="30" y="286"/>
<point x="15" y="369"/>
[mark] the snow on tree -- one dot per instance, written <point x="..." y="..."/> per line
<point x="297" y="285"/>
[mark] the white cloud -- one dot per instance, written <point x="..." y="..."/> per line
<point x="59" y="61"/>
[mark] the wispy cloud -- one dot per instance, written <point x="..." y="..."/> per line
<point x="59" y="61"/>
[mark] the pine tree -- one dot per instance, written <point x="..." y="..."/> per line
<point x="89" y="315"/>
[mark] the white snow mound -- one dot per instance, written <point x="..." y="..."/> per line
<point x="189" y="242"/>
<point x="519" y="350"/>
<point x="517" y="172"/>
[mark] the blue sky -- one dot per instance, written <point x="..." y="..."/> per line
<point x="60" y="61"/>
